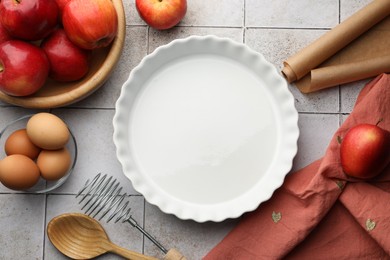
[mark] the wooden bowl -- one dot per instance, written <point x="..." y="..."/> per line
<point x="58" y="94"/>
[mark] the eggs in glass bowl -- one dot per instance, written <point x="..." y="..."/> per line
<point x="38" y="153"/>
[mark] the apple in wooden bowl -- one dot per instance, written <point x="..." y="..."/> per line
<point x="102" y="61"/>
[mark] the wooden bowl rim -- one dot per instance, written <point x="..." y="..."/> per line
<point x="87" y="88"/>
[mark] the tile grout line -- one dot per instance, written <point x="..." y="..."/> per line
<point x="240" y="26"/>
<point x="143" y="225"/>
<point x="143" y="208"/>
<point x="147" y="40"/>
<point x="289" y="28"/>
<point x="322" y="113"/>
<point x="339" y="87"/>
<point x="244" y="24"/>
<point x="44" y="228"/>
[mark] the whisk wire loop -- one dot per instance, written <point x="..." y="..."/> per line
<point x="108" y="199"/>
<point x="96" y="195"/>
<point x="104" y="194"/>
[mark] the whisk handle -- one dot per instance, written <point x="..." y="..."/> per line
<point x="171" y="254"/>
<point x="143" y="231"/>
<point x="174" y="254"/>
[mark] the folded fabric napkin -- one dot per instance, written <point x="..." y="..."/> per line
<point x="319" y="212"/>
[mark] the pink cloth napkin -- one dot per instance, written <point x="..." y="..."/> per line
<point x="319" y="212"/>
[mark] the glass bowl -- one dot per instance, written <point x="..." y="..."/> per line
<point x="42" y="186"/>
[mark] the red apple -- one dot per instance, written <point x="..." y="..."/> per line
<point x="61" y="5"/>
<point x="29" y="19"/>
<point x="161" y="14"/>
<point x="24" y="68"/>
<point x="90" y="24"/>
<point x="4" y="35"/>
<point x="68" y="62"/>
<point x="365" y="151"/>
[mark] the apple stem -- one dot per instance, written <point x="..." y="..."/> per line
<point x="380" y="120"/>
<point x="1" y="67"/>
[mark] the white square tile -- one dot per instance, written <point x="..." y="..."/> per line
<point x="292" y="14"/>
<point x="316" y="132"/>
<point x="349" y="7"/>
<point x="131" y="13"/>
<point x="158" y="38"/>
<point x="8" y="114"/>
<point x="22" y="226"/>
<point x="93" y="130"/>
<point x="349" y="93"/>
<point x="276" y="46"/>
<point x="214" y="13"/>
<point x="192" y="239"/>
<point x="134" y="50"/>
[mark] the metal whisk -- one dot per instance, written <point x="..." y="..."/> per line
<point x="103" y="195"/>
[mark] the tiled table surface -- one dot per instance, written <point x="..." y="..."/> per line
<point x="277" y="29"/>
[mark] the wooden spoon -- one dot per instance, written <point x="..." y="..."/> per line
<point x="79" y="236"/>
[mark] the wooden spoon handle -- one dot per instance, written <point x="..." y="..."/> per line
<point x="129" y="254"/>
<point x="173" y="254"/>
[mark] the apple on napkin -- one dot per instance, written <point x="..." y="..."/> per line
<point x="365" y="151"/>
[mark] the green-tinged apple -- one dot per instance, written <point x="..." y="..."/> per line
<point x="365" y="151"/>
<point x="29" y="20"/>
<point x="24" y="68"/>
<point x="90" y="24"/>
<point x="161" y="14"/>
<point x="4" y="35"/>
<point x="68" y="62"/>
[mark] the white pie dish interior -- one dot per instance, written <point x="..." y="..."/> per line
<point x="205" y="128"/>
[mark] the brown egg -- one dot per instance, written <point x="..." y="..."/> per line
<point x="54" y="164"/>
<point x="18" y="172"/>
<point x="19" y="143"/>
<point x="47" y="131"/>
